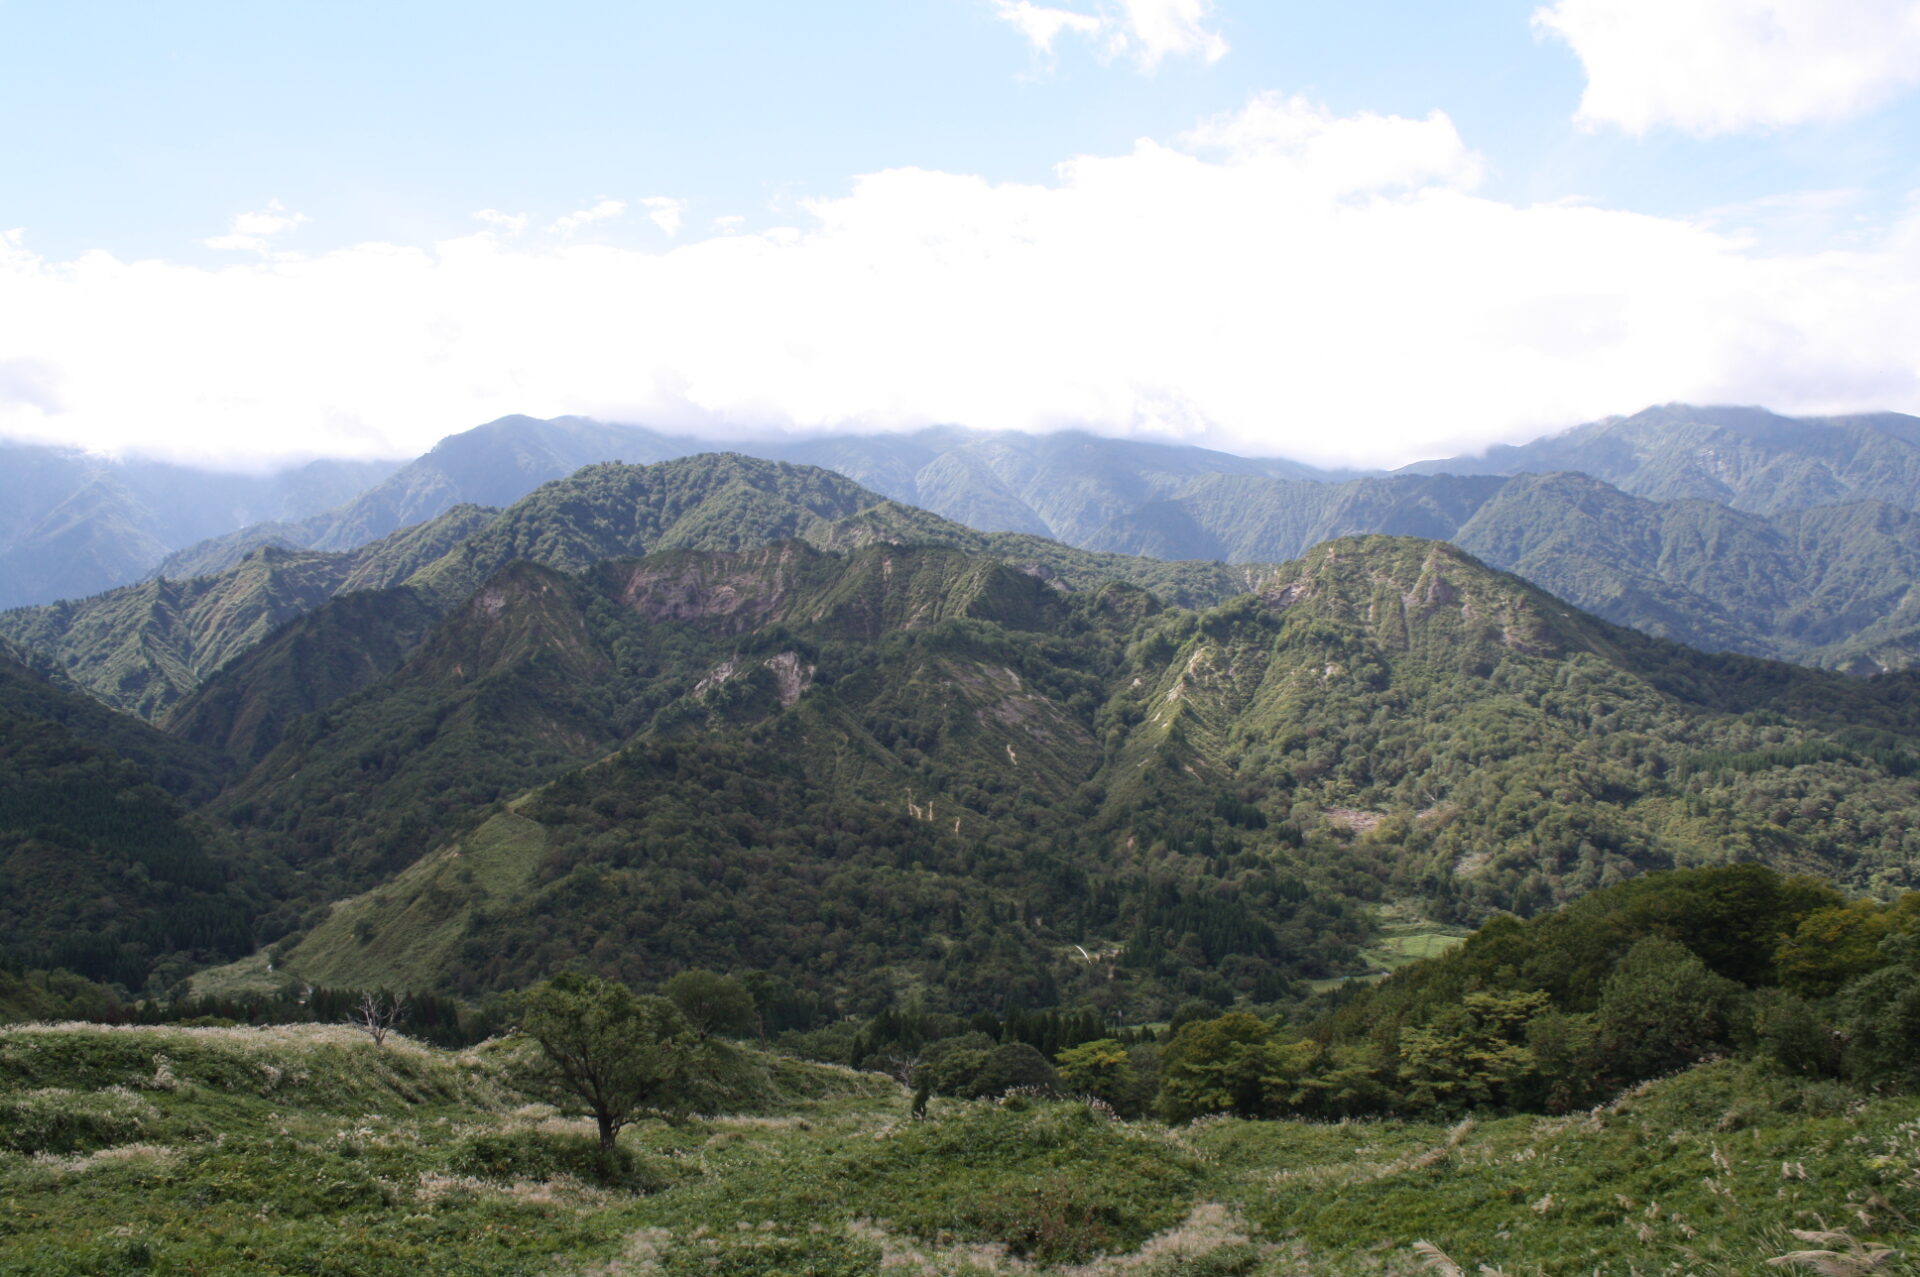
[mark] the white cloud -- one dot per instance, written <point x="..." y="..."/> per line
<point x="253" y="232"/>
<point x="1723" y="66"/>
<point x="1042" y="26"/>
<point x="1356" y="153"/>
<point x="1281" y="281"/>
<point x="1144" y="31"/>
<point x="600" y="212"/>
<point x="665" y="213"/>
<point x="511" y="223"/>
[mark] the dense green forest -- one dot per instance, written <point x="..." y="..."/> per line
<point x="888" y="773"/>
<point x="911" y="774"/>
<point x="877" y="777"/>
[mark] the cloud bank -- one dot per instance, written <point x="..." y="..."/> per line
<point x="1725" y="66"/>
<point x="1280" y="280"/>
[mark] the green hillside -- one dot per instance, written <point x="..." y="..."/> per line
<point x="306" y="1149"/>
<point x="142" y="647"/>
<point x="912" y="773"/>
<point x="341" y="646"/>
<point x="887" y="770"/>
<point x="103" y="871"/>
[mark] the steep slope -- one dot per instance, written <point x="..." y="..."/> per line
<point x="601" y="512"/>
<point x="716" y="501"/>
<point x="539" y="671"/>
<point x="1748" y="458"/>
<point x="1802" y="584"/>
<point x="102" y="871"/>
<point x="491" y="465"/>
<point x="99" y="536"/>
<point x="33" y="688"/>
<point x="1487" y="745"/>
<point x="865" y="725"/>
<point x="912" y="770"/>
<point x="142" y="647"/>
<point x="347" y="643"/>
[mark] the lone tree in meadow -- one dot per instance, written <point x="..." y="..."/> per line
<point x="616" y="1054"/>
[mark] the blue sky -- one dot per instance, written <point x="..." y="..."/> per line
<point x="1361" y="232"/>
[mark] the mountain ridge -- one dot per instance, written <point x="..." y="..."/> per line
<point x="1385" y="710"/>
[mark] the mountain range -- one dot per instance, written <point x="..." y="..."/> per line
<point x="1725" y="528"/>
<point x="72" y="524"/>
<point x="729" y="712"/>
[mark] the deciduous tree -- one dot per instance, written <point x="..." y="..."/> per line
<point x="608" y="1051"/>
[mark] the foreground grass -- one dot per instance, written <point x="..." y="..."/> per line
<point x="306" y="1150"/>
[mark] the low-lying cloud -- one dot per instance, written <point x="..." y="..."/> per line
<point x="1280" y="280"/>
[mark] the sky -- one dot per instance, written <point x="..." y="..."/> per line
<point x="1352" y="234"/>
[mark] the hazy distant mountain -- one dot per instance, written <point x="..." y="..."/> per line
<point x="1063" y="486"/>
<point x="1747" y="458"/>
<point x="73" y="524"/>
<point x="74" y="529"/>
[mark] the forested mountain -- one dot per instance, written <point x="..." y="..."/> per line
<point x="1816" y="574"/>
<point x="73" y="524"/>
<point x="103" y="871"/>
<point x="723" y="711"/>
<point x="143" y="648"/>
<point x="1828" y="585"/>
<point x="910" y="768"/>
<point x="491" y="465"/>
<point x="1815" y="571"/>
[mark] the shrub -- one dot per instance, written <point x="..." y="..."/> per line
<point x="752" y="1254"/>
<point x="543" y="1155"/>
<point x="60" y="1121"/>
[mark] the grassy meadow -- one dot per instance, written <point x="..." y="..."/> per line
<point x="306" y="1149"/>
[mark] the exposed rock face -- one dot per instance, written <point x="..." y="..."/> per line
<point x="791" y="676"/>
<point x="738" y="590"/>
